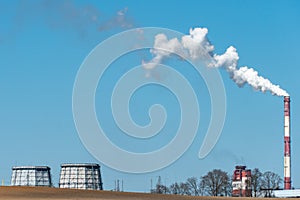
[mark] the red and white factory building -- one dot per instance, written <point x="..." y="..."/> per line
<point x="241" y="182"/>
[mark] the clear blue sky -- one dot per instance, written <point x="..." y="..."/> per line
<point x="43" y="45"/>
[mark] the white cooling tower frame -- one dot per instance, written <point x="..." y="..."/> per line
<point x="81" y="176"/>
<point x="31" y="176"/>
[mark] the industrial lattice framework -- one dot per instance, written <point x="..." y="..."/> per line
<point x="80" y="176"/>
<point x="31" y="176"/>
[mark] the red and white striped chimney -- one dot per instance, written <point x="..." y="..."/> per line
<point x="287" y="144"/>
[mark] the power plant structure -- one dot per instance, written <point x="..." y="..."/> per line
<point x="241" y="182"/>
<point x="287" y="144"/>
<point x="88" y="175"/>
<point x="31" y="176"/>
<point x="81" y="176"/>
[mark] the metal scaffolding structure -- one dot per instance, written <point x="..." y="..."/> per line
<point x="80" y="176"/>
<point x="31" y="176"/>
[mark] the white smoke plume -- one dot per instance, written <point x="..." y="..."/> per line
<point x="197" y="47"/>
<point x="120" y="20"/>
<point x="82" y="19"/>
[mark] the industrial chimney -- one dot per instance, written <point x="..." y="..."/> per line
<point x="287" y="144"/>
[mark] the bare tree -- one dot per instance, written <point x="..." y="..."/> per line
<point x="180" y="188"/>
<point x="201" y="187"/>
<point x="216" y="182"/>
<point x="193" y="185"/>
<point x="184" y="189"/>
<point x="228" y="189"/>
<point x="270" y="181"/>
<point x="160" y="188"/>
<point x="256" y="181"/>
<point x="174" y="188"/>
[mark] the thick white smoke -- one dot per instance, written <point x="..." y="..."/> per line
<point x="197" y="47"/>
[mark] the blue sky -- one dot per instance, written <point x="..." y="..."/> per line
<point x="42" y="48"/>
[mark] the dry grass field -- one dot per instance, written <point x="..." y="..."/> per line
<point x="26" y="193"/>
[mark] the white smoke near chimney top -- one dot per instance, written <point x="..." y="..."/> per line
<point x="197" y="47"/>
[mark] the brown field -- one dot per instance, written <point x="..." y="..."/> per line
<point x="26" y="193"/>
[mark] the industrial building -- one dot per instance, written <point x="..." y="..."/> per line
<point x="241" y="182"/>
<point x="287" y="193"/>
<point x="80" y="176"/>
<point x="31" y="176"/>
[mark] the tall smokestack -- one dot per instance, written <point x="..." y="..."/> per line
<point x="287" y="144"/>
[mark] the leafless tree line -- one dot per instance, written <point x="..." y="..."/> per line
<point x="218" y="183"/>
<point x="264" y="183"/>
